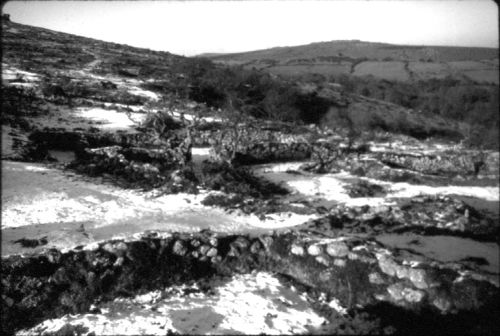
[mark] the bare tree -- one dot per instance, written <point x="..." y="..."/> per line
<point x="235" y="133"/>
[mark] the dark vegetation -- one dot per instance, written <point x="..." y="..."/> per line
<point x="240" y="180"/>
<point x="251" y="92"/>
<point x="363" y="188"/>
<point x="453" y="97"/>
<point x="464" y="109"/>
<point x="474" y="105"/>
<point x="18" y="104"/>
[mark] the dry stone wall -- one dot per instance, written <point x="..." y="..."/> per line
<point x="358" y="272"/>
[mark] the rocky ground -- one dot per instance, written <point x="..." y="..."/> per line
<point x="109" y="227"/>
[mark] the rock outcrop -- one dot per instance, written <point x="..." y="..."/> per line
<point x="423" y="215"/>
<point x="135" y="157"/>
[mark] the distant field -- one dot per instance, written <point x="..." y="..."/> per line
<point x="425" y="71"/>
<point x="492" y="62"/>
<point x="382" y="60"/>
<point x="384" y="70"/>
<point x="324" y="69"/>
<point x="482" y="71"/>
<point x="229" y="62"/>
<point x="478" y="71"/>
<point x="470" y="65"/>
<point x="480" y="76"/>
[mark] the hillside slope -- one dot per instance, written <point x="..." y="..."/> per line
<point x="79" y="70"/>
<point x="381" y="60"/>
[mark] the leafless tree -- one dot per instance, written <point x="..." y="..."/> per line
<point x="235" y="133"/>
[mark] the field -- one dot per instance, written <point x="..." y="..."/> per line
<point x="383" y="61"/>
<point x="325" y="69"/>
<point x="425" y="71"/>
<point x="384" y="70"/>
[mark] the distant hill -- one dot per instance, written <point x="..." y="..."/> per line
<point x="381" y="60"/>
<point x="207" y="55"/>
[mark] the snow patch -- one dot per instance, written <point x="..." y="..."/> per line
<point x="34" y="194"/>
<point x="111" y="119"/>
<point x="402" y="189"/>
<point x="200" y="154"/>
<point x="191" y="117"/>
<point x="251" y="304"/>
<point x="144" y="93"/>
<point x="10" y="73"/>
<point x="335" y="304"/>
<point x="278" y="167"/>
<point x="330" y="187"/>
<point x="135" y="108"/>
<point x="279" y="220"/>
<point x="35" y="168"/>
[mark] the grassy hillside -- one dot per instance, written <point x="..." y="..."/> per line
<point x="358" y="58"/>
<point x="360" y="49"/>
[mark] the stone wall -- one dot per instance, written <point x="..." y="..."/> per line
<point x="133" y="157"/>
<point x="273" y="152"/>
<point x="447" y="164"/>
<point x="358" y="272"/>
<point x="423" y="215"/>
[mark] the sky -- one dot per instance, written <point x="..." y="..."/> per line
<point x="194" y="27"/>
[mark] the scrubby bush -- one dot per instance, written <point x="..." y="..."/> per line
<point x="472" y="104"/>
<point x="19" y="105"/>
<point x="224" y="177"/>
<point x="160" y="122"/>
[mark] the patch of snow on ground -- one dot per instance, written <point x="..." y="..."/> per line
<point x="331" y="186"/>
<point x="380" y="146"/>
<point x="410" y="190"/>
<point x="10" y="73"/>
<point x="144" y="93"/>
<point x="328" y="186"/>
<point x="335" y="304"/>
<point x="46" y="208"/>
<point x="135" y="108"/>
<point x="425" y="148"/>
<point x="190" y="117"/>
<point x="279" y="220"/>
<point x="199" y="154"/>
<point x="278" y="167"/>
<point x="250" y="304"/>
<point x="33" y="168"/>
<point x="111" y="119"/>
<point x="24" y="85"/>
<point x="35" y="194"/>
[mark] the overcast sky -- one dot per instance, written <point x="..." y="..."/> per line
<point x="194" y="27"/>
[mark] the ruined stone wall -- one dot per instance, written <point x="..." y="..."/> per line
<point x="359" y="273"/>
<point x="135" y="157"/>
<point x="448" y="164"/>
